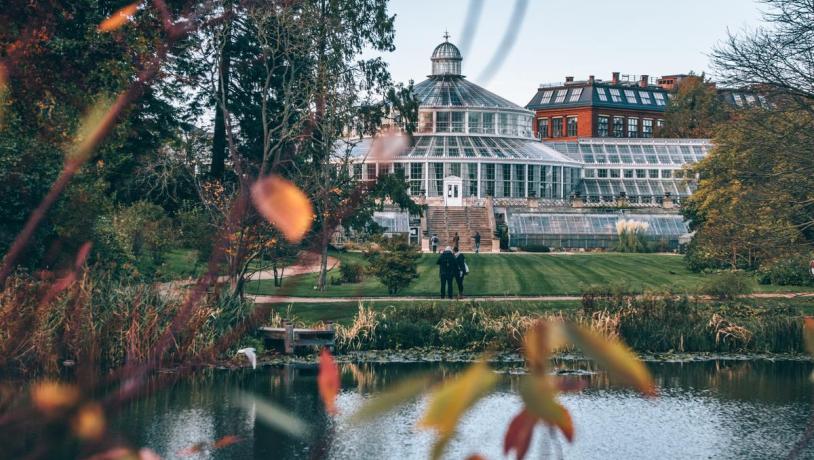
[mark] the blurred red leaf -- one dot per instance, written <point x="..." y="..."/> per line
<point x="82" y="254"/>
<point x="476" y="457"/>
<point x="196" y="448"/>
<point x="539" y="395"/>
<point x="518" y="436"/>
<point x="328" y="380"/>
<point x="119" y="18"/>
<point x="227" y="440"/>
<point x="567" y="385"/>
<point x="284" y="205"/>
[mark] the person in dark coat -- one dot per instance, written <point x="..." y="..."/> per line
<point x="477" y="242"/>
<point x="462" y="270"/>
<point x="447" y="269"/>
<point x="434" y="243"/>
<point x="456" y="241"/>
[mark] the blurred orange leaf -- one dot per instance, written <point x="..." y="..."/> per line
<point x="476" y="457"/>
<point x="119" y="18"/>
<point x="808" y="333"/>
<point x="539" y="394"/>
<point x="227" y="440"/>
<point x="89" y="422"/>
<point x="328" y="380"/>
<point x="53" y="396"/>
<point x="454" y="397"/>
<point x="284" y="205"/>
<point x="621" y="363"/>
<point x="518" y="436"/>
<point x="541" y="339"/>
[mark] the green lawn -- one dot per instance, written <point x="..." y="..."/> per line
<point x="180" y="263"/>
<point x="521" y="274"/>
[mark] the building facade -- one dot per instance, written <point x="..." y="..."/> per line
<point x="621" y="108"/>
<point x="478" y="166"/>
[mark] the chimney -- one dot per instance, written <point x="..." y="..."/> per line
<point x="569" y="79"/>
<point x="615" y="78"/>
<point x="590" y="79"/>
<point x="644" y="81"/>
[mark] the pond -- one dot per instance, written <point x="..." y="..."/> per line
<point x="717" y="408"/>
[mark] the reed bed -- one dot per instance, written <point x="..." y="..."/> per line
<point x="647" y="323"/>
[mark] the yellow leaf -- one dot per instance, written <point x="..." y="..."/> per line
<point x="119" y="18"/>
<point x="454" y="397"/>
<point x="399" y="394"/>
<point x="91" y="130"/>
<point x="284" y="205"/>
<point x="539" y="395"/>
<point x="620" y="362"/>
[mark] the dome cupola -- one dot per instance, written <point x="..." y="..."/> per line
<point x="446" y="59"/>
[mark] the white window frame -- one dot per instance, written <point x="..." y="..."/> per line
<point x="547" y="95"/>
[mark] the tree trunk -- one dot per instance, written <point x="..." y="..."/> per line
<point x="218" y="165"/>
<point x="323" y="264"/>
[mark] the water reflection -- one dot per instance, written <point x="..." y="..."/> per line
<point x="720" y="409"/>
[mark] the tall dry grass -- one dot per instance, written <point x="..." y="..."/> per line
<point x="104" y="323"/>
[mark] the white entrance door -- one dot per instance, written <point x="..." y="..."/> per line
<point x="453" y="191"/>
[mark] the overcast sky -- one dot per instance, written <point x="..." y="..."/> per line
<point x="559" y="38"/>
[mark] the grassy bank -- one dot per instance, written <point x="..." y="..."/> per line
<point x="523" y="275"/>
<point x="103" y="322"/>
<point x="648" y="324"/>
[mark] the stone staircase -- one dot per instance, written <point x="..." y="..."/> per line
<point x="444" y="221"/>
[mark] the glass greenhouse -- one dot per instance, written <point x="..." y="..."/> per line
<point x="467" y="132"/>
<point x="587" y="231"/>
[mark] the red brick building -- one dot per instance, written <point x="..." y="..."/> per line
<point x="623" y="107"/>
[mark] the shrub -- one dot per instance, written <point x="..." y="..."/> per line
<point x="787" y="271"/>
<point x="144" y="232"/>
<point x="535" y="248"/>
<point x="195" y="230"/>
<point x="395" y="264"/>
<point x="350" y="272"/>
<point x="728" y="285"/>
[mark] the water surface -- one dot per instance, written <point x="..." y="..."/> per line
<point x="711" y="409"/>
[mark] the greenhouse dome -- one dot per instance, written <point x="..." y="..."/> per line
<point x="470" y="143"/>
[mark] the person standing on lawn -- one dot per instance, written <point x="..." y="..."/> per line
<point x="462" y="270"/>
<point x="434" y="243"/>
<point x="456" y="241"/>
<point x="447" y="270"/>
<point x="477" y="242"/>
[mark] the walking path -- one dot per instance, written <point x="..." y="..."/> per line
<point x="265" y="299"/>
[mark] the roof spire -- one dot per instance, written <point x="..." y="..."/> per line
<point x="446" y="35"/>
